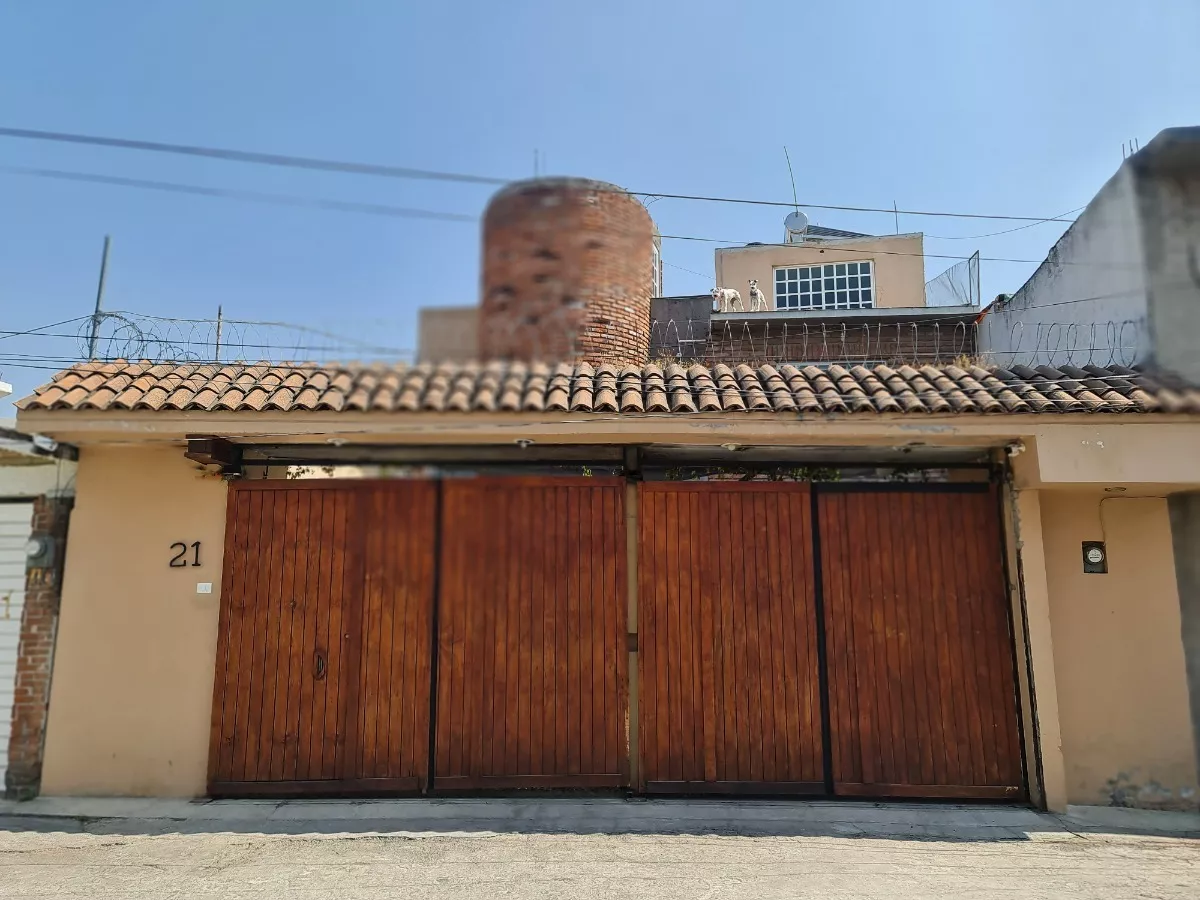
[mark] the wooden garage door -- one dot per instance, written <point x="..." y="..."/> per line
<point x="728" y="678"/>
<point x="921" y="679"/>
<point x="531" y="688"/>
<point x="322" y="681"/>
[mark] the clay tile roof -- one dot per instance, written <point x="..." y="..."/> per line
<point x="142" y="387"/>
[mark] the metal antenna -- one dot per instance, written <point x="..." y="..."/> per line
<point x="791" y="176"/>
<point x="95" y="331"/>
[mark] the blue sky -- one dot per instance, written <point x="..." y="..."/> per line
<point x="1016" y="107"/>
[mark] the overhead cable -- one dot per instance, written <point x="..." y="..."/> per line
<point x="388" y="171"/>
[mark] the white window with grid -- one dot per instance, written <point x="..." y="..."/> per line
<point x="844" y="285"/>
<point x="656" y="274"/>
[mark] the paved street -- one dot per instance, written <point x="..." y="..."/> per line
<point x="858" y="851"/>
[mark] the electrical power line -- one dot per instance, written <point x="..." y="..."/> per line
<point x="978" y="237"/>
<point x="681" y="269"/>
<point x="34" y="331"/>
<point x="829" y="248"/>
<point x="246" y="156"/>
<point x="377" y="209"/>
<point x="386" y="171"/>
<point x="405" y="212"/>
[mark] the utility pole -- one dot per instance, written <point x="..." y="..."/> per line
<point x="217" y="349"/>
<point x="99" y="299"/>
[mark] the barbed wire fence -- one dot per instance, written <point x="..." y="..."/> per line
<point x="989" y="341"/>
<point x="129" y="335"/>
<point x="930" y="341"/>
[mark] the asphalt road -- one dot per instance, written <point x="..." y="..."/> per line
<point x="347" y="867"/>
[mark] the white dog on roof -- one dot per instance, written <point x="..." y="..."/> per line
<point x="726" y="300"/>
<point x="758" y="300"/>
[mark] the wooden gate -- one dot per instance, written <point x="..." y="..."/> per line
<point x="322" y="677"/>
<point x="728" y="678"/>
<point x="838" y="638"/>
<point x="531" y="686"/>
<point x="922" y="689"/>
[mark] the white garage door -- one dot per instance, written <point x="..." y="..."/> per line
<point x="16" y="523"/>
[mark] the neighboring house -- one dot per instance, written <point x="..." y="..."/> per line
<point x="1119" y="287"/>
<point x="831" y="296"/>
<point x="36" y="483"/>
<point x="944" y="582"/>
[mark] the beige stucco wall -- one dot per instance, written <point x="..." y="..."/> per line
<point x="448" y="334"/>
<point x="131" y="699"/>
<point x="1118" y="652"/>
<point x="899" y="279"/>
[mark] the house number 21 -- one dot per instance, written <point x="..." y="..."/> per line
<point x="180" y="559"/>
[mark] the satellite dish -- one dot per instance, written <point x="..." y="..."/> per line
<point x="796" y="224"/>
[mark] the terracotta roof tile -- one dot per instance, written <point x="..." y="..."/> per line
<point x="582" y="388"/>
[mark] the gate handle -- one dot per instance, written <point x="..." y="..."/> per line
<point x="319" y="663"/>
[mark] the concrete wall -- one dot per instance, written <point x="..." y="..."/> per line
<point x="1087" y="302"/>
<point x="448" y="334"/>
<point x="1118" y="656"/>
<point x="131" y="698"/>
<point x="899" y="279"/>
<point x="1168" y="202"/>
<point x="1123" y="284"/>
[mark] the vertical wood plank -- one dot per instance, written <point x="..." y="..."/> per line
<point x="946" y="764"/>
<point x="348" y="607"/>
<point x="228" y="627"/>
<point x="662" y="609"/>
<point x="327" y="633"/>
<point x="310" y="603"/>
<point x="708" y="593"/>
<point x="294" y="595"/>
<point x="779" y="757"/>
<point x="267" y="645"/>
<point x="729" y="768"/>
<point x="585" y="635"/>
<point x="621" y="719"/>
<point x="909" y="522"/>
<point x="601" y="594"/>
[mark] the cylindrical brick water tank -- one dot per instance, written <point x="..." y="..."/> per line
<point x="568" y="271"/>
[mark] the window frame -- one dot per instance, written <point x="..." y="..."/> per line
<point x="826" y="299"/>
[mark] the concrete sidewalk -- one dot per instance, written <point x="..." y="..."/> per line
<point x="585" y="816"/>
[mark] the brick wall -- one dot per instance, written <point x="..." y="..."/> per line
<point x="35" y="654"/>
<point x="567" y="273"/>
